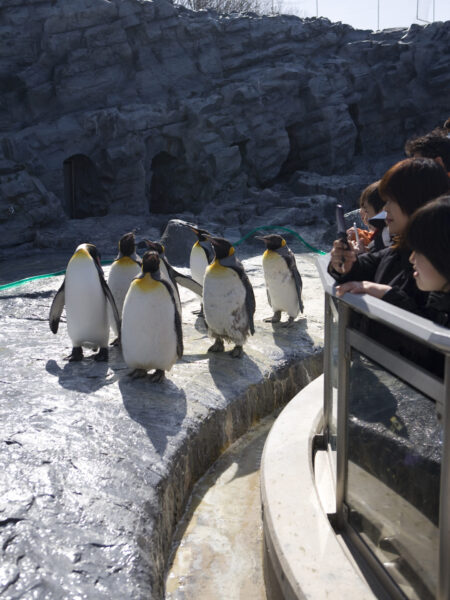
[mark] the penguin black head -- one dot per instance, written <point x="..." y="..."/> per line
<point x="222" y="247"/>
<point x="272" y="241"/>
<point x="155" y="247"/>
<point x="126" y="244"/>
<point x="150" y="262"/>
<point x="201" y="234"/>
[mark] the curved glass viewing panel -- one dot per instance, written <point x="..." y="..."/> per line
<point x="387" y="428"/>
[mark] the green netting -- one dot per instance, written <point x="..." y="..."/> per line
<point x="13" y="284"/>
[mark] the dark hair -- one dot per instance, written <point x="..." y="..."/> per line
<point x="413" y="182"/>
<point x="433" y="144"/>
<point x="371" y="195"/>
<point x="428" y="232"/>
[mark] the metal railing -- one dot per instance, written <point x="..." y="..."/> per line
<point x="387" y="426"/>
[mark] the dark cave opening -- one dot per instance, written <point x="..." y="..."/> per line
<point x="83" y="193"/>
<point x="294" y="161"/>
<point x="165" y="194"/>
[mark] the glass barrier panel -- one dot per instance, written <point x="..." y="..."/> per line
<point x="333" y="349"/>
<point x="393" y="478"/>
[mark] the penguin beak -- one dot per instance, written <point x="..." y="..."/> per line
<point x="260" y="237"/>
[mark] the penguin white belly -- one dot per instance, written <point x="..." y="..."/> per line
<point x="224" y="304"/>
<point x="149" y="338"/>
<point x="122" y="273"/>
<point x="198" y="263"/>
<point x="176" y="293"/>
<point x="87" y="318"/>
<point x="280" y="284"/>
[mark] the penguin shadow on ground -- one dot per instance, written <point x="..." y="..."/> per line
<point x="284" y="337"/>
<point x="86" y="376"/>
<point x="231" y="375"/>
<point x="160" y="408"/>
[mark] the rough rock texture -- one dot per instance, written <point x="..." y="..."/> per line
<point x="128" y="106"/>
<point x="95" y="468"/>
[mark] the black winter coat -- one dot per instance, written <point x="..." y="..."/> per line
<point x="389" y="266"/>
<point x="437" y="308"/>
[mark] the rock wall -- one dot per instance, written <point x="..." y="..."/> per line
<point x="131" y="106"/>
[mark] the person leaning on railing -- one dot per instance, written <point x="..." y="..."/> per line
<point x="388" y="274"/>
<point x="428" y="236"/>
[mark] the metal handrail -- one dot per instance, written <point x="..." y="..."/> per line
<point x="402" y="320"/>
<point x="430" y="334"/>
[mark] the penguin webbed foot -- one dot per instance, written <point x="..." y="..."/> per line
<point x="102" y="355"/>
<point x="138" y="373"/>
<point x="76" y="355"/>
<point x="275" y="318"/>
<point x="237" y="352"/>
<point x="158" y="376"/>
<point x="289" y="323"/>
<point x="218" y="346"/>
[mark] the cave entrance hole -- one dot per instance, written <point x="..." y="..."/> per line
<point x="83" y="192"/>
<point x="166" y="193"/>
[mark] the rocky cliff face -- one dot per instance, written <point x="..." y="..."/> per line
<point x="131" y="106"/>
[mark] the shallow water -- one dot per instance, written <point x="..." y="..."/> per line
<point x="219" y="540"/>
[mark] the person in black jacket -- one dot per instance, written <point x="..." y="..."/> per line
<point x="428" y="235"/>
<point x="388" y="274"/>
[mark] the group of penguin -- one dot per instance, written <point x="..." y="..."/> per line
<point x="141" y="302"/>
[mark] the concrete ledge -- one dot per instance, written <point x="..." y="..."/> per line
<point x="303" y="556"/>
<point x="97" y="468"/>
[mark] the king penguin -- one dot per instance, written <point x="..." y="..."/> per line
<point x="172" y="276"/>
<point x="124" y="269"/>
<point x="201" y="256"/>
<point x="151" y="325"/>
<point x="228" y="299"/>
<point x="283" y="281"/>
<point x="85" y="294"/>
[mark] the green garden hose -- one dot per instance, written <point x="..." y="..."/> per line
<point x="13" y="284"/>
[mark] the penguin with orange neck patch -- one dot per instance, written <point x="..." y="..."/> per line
<point x="124" y="269"/>
<point x="228" y="299"/>
<point x="283" y="280"/>
<point x="171" y="275"/>
<point x="201" y="256"/>
<point x="85" y="294"/>
<point x="151" y="323"/>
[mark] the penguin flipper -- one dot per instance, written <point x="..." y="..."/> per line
<point x="188" y="282"/>
<point x="289" y="257"/>
<point x="250" y="303"/>
<point x="268" y="297"/>
<point x="178" y="329"/>
<point x="110" y="299"/>
<point x="57" y="307"/>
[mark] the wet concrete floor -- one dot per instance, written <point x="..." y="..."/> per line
<point x="218" y="544"/>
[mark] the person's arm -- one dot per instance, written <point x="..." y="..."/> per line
<point x="345" y="265"/>
<point x="413" y="302"/>
<point x="377" y="290"/>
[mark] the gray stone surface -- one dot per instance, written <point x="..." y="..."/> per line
<point x="95" y="468"/>
<point x="146" y="106"/>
